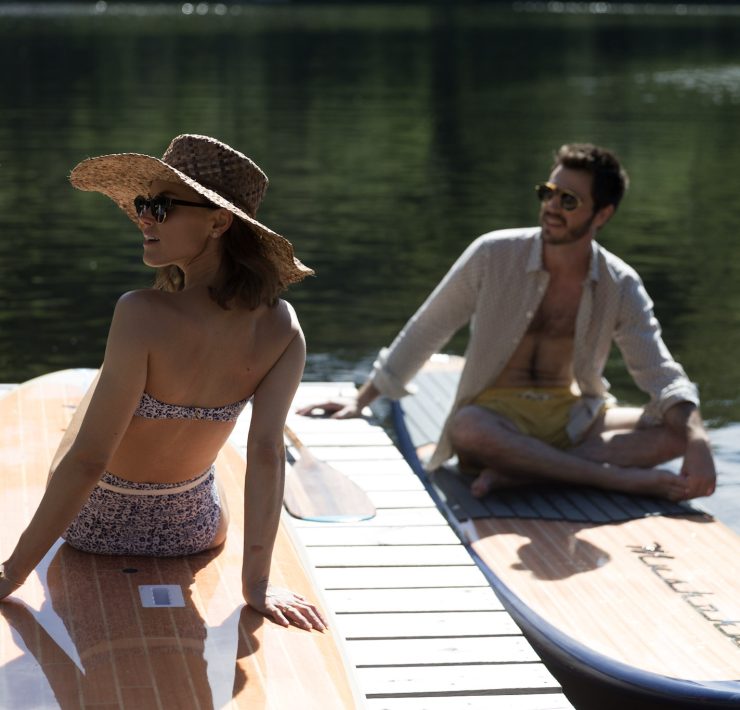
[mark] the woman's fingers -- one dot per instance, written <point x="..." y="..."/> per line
<point x="279" y="617"/>
<point x="317" y="621"/>
<point x="286" y="608"/>
<point x="299" y="612"/>
<point x="311" y="616"/>
<point x="287" y="615"/>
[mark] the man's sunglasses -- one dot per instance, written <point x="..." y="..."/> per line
<point x="160" y="204"/>
<point x="569" y="201"/>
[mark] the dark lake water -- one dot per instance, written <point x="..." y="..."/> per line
<point x="393" y="135"/>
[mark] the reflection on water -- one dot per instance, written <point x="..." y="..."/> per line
<point x="720" y="84"/>
<point x="393" y="135"/>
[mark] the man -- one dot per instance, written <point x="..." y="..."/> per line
<point x="544" y="306"/>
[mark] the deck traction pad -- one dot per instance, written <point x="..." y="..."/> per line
<point x="551" y="502"/>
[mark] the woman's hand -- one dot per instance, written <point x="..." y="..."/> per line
<point x="7" y="588"/>
<point x="7" y="584"/>
<point x="285" y="607"/>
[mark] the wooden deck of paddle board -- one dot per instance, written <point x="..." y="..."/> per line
<point x="80" y="633"/>
<point x="423" y="627"/>
<point x="651" y="603"/>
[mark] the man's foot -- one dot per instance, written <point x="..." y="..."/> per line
<point x="639" y="481"/>
<point x="489" y="480"/>
<point x="650" y="482"/>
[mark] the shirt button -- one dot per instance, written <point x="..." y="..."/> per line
<point x="529" y="314"/>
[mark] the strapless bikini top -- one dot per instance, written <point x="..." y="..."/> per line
<point x="151" y="408"/>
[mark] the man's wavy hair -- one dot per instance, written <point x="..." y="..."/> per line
<point x="610" y="180"/>
<point x="246" y="276"/>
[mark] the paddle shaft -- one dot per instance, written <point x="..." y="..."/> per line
<point x="294" y="439"/>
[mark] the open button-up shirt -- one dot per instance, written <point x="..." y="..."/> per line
<point x="496" y="286"/>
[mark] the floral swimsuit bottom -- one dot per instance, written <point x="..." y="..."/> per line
<point x="124" y="517"/>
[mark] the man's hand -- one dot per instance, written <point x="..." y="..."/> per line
<point x="698" y="472"/>
<point x="348" y="408"/>
<point x="698" y="469"/>
<point x="334" y="409"/>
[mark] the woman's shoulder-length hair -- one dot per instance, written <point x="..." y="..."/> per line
<point x="246" y="276"/>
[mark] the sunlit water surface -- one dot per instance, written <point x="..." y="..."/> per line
<point x="393" y="135"/>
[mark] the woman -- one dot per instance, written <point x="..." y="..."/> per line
<point x="213" y="332"/>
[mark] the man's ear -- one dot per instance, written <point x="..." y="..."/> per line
<point x="603" y="216"/>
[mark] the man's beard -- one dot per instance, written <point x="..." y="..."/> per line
<point x="574" y="234"/>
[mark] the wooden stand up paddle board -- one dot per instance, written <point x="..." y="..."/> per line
<point x="632" y="601"/>
<point x="141" y="632"/>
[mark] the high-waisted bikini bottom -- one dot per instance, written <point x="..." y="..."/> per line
<point x="158" y="519"/>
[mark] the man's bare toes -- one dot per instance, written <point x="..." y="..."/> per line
<point x="483" y="485"/>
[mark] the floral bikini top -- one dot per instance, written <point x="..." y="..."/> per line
<point x="151" y="408"/>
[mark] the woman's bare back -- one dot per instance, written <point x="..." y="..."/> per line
<point x="200" y="355"/>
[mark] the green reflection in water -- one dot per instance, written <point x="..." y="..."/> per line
<point x="392" y="136"/>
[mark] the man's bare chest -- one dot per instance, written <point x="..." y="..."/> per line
<point x="557" y="313"/>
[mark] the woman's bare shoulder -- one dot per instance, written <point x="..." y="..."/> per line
<point x="280" y="317"/>
<point x="277" y="325"/>
<point x="144" y="310"/>
<point x="148" y="303"/>
<point x="288" y="312"/>
<point x="142" y="298"/>
<point x="285" y="320"/>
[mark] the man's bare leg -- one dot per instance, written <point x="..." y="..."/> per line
<point x="615" y="454"/>
<point x="485" y="479"/>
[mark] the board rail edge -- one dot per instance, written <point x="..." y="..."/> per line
<point x="558" y="646"/>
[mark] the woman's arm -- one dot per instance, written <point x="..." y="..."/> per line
<point x="111" y="406"/>
<point x="73" y="429"/>
<point x="263" y="491"/>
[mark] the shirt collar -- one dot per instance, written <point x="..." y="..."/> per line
<point x="593" y="272"/>
<point x="534" y="260"/>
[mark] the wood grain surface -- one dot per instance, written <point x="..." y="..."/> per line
<point x="76" y="634"/>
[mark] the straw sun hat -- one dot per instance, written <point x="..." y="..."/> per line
<point x="223" y="176"/>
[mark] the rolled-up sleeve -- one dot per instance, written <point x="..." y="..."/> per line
<point x="447" y="309"/>
<point x="638" y="336"/>
<point x="385" y="380"/>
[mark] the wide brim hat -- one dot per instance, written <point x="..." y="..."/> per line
<point x="224" y="176"/>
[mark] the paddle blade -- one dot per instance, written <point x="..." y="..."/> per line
<point x="316" y="491"/>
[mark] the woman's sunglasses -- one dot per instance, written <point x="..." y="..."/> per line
<point x="160" y="204"/>
<point x="569" y="201"/>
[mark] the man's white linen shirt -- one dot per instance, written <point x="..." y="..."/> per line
<point x="496" y="286"/>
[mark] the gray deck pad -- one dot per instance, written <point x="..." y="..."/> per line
<point x="550" y="502"/>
